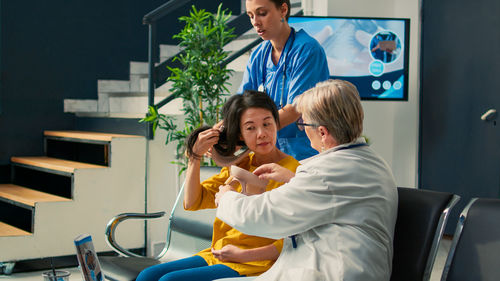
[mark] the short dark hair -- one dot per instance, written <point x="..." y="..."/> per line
<point x="234" y="107"/>
<point x="278" y="4"/>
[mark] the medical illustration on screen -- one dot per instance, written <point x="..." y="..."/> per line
<point x="369" y="52"/>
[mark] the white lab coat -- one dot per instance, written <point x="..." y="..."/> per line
<point x="342" y="206"/>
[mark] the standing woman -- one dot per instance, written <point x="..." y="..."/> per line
<point x="284" y="66"/>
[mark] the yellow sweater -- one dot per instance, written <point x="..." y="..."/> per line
<point x="224" y="234"/>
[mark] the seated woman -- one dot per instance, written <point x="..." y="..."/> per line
<point x="253" y="119"/>
<point x="339" y="208"/>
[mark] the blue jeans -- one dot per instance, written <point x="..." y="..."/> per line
<point x="188" y="269"/>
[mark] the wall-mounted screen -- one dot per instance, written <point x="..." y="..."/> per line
<point x="371" y="53"/>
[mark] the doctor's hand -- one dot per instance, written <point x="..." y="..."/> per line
<point x="273" y="171"/>
<point x="222" y="190"/>
<point x="229" y="253"/>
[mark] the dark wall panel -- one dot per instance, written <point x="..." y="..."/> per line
<point x="460" y="153"/>
<point x="54" y="50"/>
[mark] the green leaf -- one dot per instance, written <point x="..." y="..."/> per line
<point x="201" y="75"/>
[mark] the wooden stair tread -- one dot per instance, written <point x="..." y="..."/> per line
<point x="96" y="136"/>
<point x="54" y="163"/>
<point x="9" y="230"/>
<point x="27" y="196"/>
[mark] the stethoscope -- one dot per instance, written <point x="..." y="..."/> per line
<point x="266" y="57"/>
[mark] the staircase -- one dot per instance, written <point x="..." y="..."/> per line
<point x="69" y="191"/>
<point x="128" y="98"/>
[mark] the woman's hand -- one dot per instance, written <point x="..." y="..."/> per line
<point x="219" y="127"/>
<point x="273" y="171"/>
<point x="229" y="253"/>
<point x="206" y="141"/>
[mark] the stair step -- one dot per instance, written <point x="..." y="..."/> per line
<point x="27" y="196"/>
<point x="139" y="68"/>
<point x="54" y="164"/>
<point x="113" y="86"/>
<point x="81" y="135"/>
<point x="8" y="230"/>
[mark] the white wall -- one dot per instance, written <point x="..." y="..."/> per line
<point x="391" y="126"/>
<point x="163" y="184"/>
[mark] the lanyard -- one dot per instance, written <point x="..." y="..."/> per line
<point x="285" y="56"/>
<point x="294" y="243"/>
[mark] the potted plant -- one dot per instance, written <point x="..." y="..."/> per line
<point x="201" y="82"/>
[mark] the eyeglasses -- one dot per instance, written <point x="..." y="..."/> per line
<point x="300" y="124"/>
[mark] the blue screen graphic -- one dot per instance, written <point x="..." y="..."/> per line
<point x="371" y="53"/>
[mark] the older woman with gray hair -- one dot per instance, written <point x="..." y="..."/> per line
<point x="338" y="211"/>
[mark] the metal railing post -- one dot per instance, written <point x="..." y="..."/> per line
<point x="152" y="49"/>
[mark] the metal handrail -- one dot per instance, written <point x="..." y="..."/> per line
<point x="150" y="19"/>
<point x="242" y="51"/>
<point x="228" y="60"/>
<point x="163" y="10"/>
<point x="113" y="224"/>
<point x="161" y="72"/>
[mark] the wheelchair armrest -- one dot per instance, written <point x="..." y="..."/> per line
<point x="113" y="224"/>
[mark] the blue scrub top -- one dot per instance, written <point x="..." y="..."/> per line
<point x="304" y="62"/>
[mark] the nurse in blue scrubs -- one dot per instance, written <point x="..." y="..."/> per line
<point x="285" y="65"/>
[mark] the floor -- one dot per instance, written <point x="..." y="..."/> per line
<point x="76" y="276"/>
<point x="37" y="275"/>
